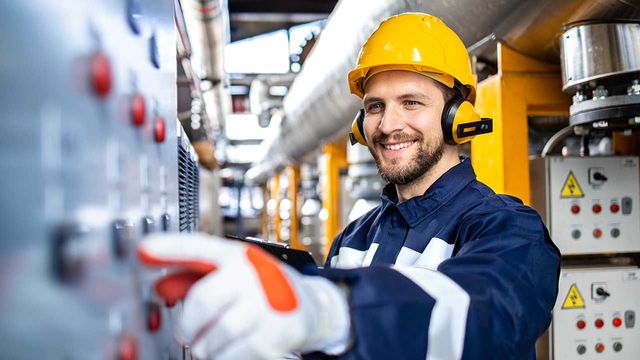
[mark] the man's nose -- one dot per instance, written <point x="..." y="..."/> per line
<point x="391" y="121"/>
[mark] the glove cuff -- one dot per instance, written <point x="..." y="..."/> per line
<point x="330" y="330"/>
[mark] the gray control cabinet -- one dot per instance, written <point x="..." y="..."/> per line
<point x="89" y="163"/>
<point x="595" y="314"/>
<point x="589" y="204"/>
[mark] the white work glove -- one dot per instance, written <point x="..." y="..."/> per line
<point x="250" y="305"/>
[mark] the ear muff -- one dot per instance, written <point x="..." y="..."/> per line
<point x="357" y="129"/>
<point x="461" y="122"/>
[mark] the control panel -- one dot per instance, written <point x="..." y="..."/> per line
<point x="595" y="314"/>
<point x="92" y="159"/>
<point x="589" y="204"/>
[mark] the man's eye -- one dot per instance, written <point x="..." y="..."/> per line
<point x="372" y="108"/>
<point x="411" y="103"/>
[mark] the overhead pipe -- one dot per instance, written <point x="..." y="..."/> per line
<point x="207" y="22"/>
<point x="319" y="106"/>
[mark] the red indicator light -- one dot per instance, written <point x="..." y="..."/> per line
<point x="138" y="110"/>
<point x="581" y="324"/>
<point x="159" y="129"/>
<point x="617" y="322"/>
<point x="128" y="348"/>
<point x="597" y="233"/>
<point x="614" y="208"/>
<point x="596" y="208"/>
<point x="575" y="209"/>
<point x="599" y="323"/>
<point x="100" y="75"/>
<point x="599" y="347"/>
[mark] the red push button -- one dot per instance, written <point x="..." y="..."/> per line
<point x="597" y="233"/>
<point x="614" y="208"/>
<point x="596" y="208"/>
<point x="581" y="324"/>
<point x="599" y="347"/>
<point x="159" y="129"/>
<point x="128" y="348"/>
<point x="100" y="75"/>
<point x="575" y="209"/>
<point x="154" y="317"/>
<point x="138" y="110"/>
<point x="617" y="322"/>
<point x="599" y="323"/>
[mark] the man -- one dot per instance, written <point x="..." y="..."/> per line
<point x="443" y="269"/>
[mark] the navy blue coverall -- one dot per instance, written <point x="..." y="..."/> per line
<point x="459" y="272"/>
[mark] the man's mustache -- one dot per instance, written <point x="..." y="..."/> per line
<point x="395" y="137"/>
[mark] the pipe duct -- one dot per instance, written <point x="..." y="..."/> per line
<point x="319" y="106"/>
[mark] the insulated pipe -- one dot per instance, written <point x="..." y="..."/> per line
<point x="206" y="23"/>
<point x="319" y="107"/>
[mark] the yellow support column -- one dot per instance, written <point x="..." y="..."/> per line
<point x="275" y="195"/>
<point x="294" y="179"/>
<point x="264" y="216"/>
<point x="522" y="87"/>
<point x="334" y="158"/>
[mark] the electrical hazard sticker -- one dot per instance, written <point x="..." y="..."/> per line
<point x="574" y="299"/>
<point x="571" y="188"/>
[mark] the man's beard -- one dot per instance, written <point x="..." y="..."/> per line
<point x="425" y="158"/>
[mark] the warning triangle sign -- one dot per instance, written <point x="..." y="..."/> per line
<point x="574" y="299"/>
<point x="571" y="188"/>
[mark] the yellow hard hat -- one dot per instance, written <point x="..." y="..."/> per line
<point x="414" y="42"/>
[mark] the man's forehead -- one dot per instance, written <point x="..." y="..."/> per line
<point x="396" y="83"/>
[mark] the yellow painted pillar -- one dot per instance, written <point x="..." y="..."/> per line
<point x="334" y="158"/>
<point x="294" y="179"/>
<point x="522" y="87"/>
<point x="264" y="216"/>
<point x="275" y="195"/>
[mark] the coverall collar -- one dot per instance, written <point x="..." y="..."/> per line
<point x="444" y="188"/>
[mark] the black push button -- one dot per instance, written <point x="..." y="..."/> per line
<point x="68" y="253"/>
<point x="121" y="238"/>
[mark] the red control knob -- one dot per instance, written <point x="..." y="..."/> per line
<point x="597" y="208"/>
<point x="100" y="75"/>
<point x="128" y="348"/>
<point x="617" y="322"/>
<point x="581" y="324"/>
<point x="599" y="347"/>
<point x="597" y="233"/>
<point x="599" y="323"/>
<point x="614" y="208"/>
<point x="159" y="129"/>
<point x="138" y="110"/>
<point x="575" y="209"/>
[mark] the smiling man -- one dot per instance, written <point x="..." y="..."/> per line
<point x="403" y="111"/>
<point x="444" y="268"/>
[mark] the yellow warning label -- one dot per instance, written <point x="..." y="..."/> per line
<point x="571" y="188"/>
<point x="573" y="300"/>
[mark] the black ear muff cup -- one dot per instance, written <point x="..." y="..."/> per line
<point x="448" y="119"/>
<point x="356" y="136"/>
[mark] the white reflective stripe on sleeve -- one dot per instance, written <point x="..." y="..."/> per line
<point x="449" y="314"/>
<point x="407" y="256"/>
<point x="348" y="258"/>
<point x="436" y="252"/>
<point x="369" y="255"/>
<point x="333" y="261"/>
